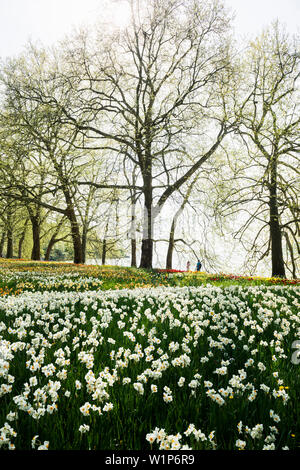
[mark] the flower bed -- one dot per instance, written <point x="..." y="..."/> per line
<point x="179" y="368"/>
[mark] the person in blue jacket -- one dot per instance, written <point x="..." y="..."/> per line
<point x="198" y="267"/>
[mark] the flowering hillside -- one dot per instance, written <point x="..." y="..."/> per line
<point x="206" y="367"/>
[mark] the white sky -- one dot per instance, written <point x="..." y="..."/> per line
<point x="49" y="20"/>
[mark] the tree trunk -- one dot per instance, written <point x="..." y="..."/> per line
<point x="103" y="251"/>
<point x="36" y="248"/>
<point x="78" y="258"/>
<point x="147" y="242"/>
<point x="171" y="246"/>
<point x="34" y="215"/>
<point x="9" y="248"/>
<point x="147" y="254"/>
<point x="71" y="215"/>
<point x="21" y="240"/>
<point x="133" y="253"/>
<point x="84" y="242"/>
<point x="49" y="247"/>
<point x="9" y="233"/>
<point x="2" y="241"/>
<point x="133" y="231"/>
<point x="278" y="269"/>
<point x="75" y="233"/>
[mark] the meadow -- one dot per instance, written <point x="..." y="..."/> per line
<point x="127" y="359"/>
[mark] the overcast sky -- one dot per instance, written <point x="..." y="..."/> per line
<point x="49" y="20"/>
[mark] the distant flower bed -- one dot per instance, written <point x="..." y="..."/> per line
<point x="270" y="280"/>
<point x="170" y="271"/>
<point x="218" y="277"/>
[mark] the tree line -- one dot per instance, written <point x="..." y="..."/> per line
<point x="169" y="110"/>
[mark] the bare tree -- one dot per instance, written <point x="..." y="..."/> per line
<point x="157" y="89"/>
<point x="267" y="182"/>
